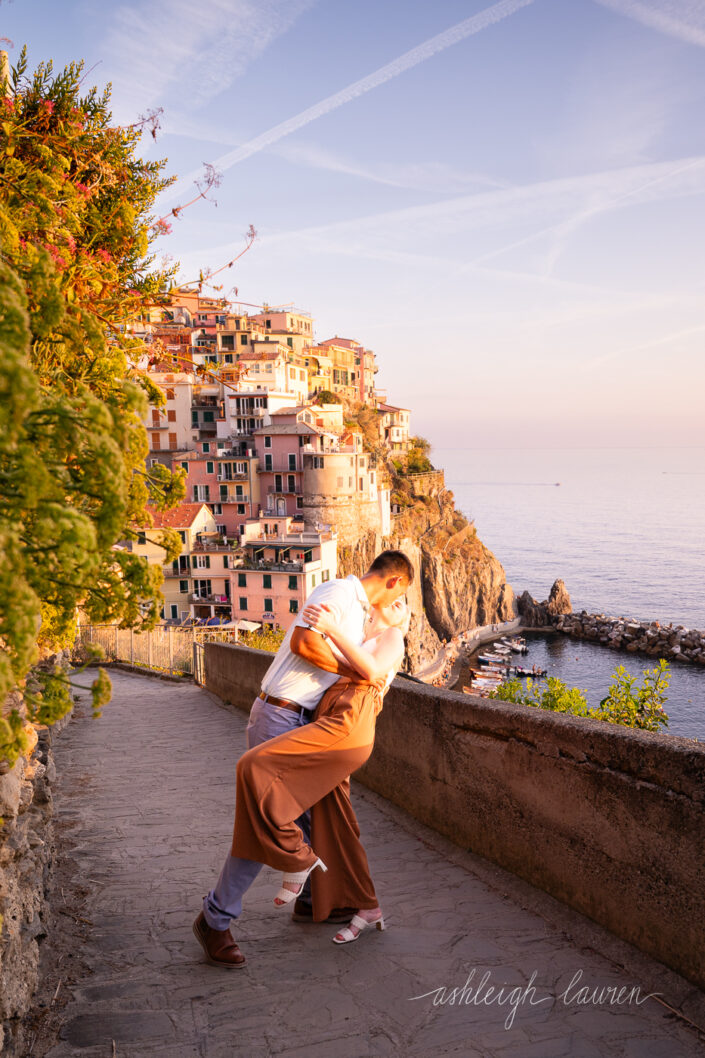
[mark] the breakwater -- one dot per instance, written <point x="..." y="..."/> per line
<point x="672" y="642"/>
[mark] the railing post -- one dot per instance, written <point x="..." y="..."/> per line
<point x="116" y="643"/>
<point x="132" y="646"/>
<point x="149" y="649"/>
<point x="171" y="650"/>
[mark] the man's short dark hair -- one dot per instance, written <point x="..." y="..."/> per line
<point x="393" y="564"/>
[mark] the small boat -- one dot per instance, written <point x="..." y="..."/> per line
<point x="492" y="659"/>
<point x="519" y="670"/>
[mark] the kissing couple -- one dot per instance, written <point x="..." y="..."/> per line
<point x="311" y="726"/>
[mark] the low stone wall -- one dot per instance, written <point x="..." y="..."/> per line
<point x="608" y="820"/>
<point x="26" y="853"/>
<point x="620" y="633"/>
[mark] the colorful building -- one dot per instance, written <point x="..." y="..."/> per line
<point x="197" y="583"/>
<point x="283" y="562"/>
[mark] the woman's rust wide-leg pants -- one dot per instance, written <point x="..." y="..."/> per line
<point x="310" y="768"/>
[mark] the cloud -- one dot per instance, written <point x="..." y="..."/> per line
<point x="433" y="46"/>
<point x="416" y="176"/>
<point x="197" y="49"/>
<point x="683" y="19"/>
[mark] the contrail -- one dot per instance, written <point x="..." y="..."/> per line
<point x="666" y="20"/>
<point x="409" y="59"/>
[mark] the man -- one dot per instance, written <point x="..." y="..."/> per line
<point x="302" y="671"/>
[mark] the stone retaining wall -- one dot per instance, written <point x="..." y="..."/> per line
<point x="607" y="819"/>
<point x="26" y="853"/>
<point x="620" y="633"/>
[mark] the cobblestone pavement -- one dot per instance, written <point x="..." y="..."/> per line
<point x="147" y="794"/>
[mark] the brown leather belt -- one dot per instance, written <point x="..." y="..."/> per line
<point x="281" y="702"/>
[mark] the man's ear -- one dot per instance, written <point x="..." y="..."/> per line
<point x="392" y="582"/>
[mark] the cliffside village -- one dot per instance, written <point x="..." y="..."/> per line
<point x="277" y="477"/>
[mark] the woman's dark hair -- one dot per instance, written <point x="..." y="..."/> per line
<point x="393" y="564"/>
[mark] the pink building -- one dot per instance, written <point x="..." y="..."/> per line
<point x="226" y="480"/>
<point x="280" y="448"/>
<point x="283" y="563"/>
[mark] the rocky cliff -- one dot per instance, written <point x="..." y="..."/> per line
<point x="458" y="582"/>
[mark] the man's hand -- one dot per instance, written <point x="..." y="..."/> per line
<point x="310" y="646"/>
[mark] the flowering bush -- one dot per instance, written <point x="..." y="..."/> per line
<point x="75" y="229"/>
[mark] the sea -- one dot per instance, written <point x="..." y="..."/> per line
<point x="623" y="527"/>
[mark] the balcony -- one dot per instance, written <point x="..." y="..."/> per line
<point x="202" y="546"/>
<point x="283" y="491"/>
<point x="233" y="477"/>
<point x="161" y="425"/>
<point x="266" y="565"/>
<point x="232" y="497"/>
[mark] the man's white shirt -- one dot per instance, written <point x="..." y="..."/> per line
<point x="296" y="680"/>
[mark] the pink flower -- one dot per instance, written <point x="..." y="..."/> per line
<point x="162" y="227"/>
<point x="104" y="255"/>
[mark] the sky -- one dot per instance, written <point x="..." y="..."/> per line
<point x="504" y="200"/>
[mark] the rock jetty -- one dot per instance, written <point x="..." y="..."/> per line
<point x="674" y="643"/>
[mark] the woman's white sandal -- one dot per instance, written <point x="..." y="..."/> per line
<point x="285" y="896"/>
<point x="346" y="935"/>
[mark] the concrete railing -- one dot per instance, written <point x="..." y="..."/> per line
<point x="608" y="820"/>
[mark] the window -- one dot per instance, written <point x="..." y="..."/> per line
<point x="208" y="416"/>
<point x="172" y="440"/>
<point x="362" y="484"/>
<point x="206" y="447"/>
<point x="228" y="358"/>
<point x="277" y="483"/>
<point x="241" y="508"/>
<point x="171" y="415"/>
<point x="239" y="494"/>
<point x="174" y="612"/>
<point x="170" y="394"/>
<point x="290" y="342"/>
<point x="268" y="605"/>
<point x="226" y="561"/>
<point x="243" y="339"/>
<point x="299" y="502"/>
<point x="291" y="483"/>
<point x="183" y="586"/>
<point x="224" y="493"/>
<point x="242" y="580"/>
<point x="182" y="534"/>
<point x="202" y="561"/>
<point x="209" y="467"/>
<point x="267" y="582"/>
<point x="293" y="582"/>
<point x="267" y="461"/>
<point x="141" y="538"/>
<point x="243" y="602"/>
<point x="268" y="442"/>
<point x="325" y="575"/>
<point x="218" y="509"/>
<point x="292" y="461"/>
<point x="184" y="466"/>
<point x="293" y="605"/>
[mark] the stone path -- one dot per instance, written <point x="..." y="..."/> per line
<point x="147" y="794"/>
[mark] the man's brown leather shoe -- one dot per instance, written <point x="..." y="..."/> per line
<point x="218" y="944"/>
<point x="304" y="913"/>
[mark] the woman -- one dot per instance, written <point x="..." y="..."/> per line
<point x="310" y="766"/>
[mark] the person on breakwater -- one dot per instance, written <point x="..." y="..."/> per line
<point x="304" y="668"/>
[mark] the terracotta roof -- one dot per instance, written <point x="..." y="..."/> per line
<point x="181" y="517"/>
